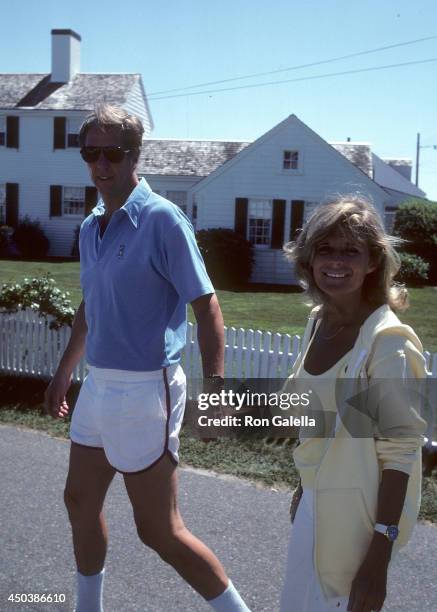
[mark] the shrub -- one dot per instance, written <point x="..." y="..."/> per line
<point x="414" y="270"/>
<point x="7" y="246"/>
<point x="30" y="238"/>
<point x="40" y="295"/>
<point x="416" y="222"/>
<point x="228" y="256"/>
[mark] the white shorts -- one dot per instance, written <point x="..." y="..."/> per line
<point x="135" y="417"/>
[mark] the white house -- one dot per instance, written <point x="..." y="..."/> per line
<point x="41" y="172"/>
<point x="264" y="189"/>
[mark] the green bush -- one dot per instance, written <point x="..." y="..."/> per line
<point x="40" y="295"/>
<point x="30" y="239"/>
<point x="414" y="270"/>
<point x="416" y="222"/>
<point x="228" y="257"/>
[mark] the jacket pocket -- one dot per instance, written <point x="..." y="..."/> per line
<point x="344" y="529"/>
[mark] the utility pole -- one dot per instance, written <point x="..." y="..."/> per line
<point x="418" y="147"/>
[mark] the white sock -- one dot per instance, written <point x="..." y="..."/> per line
<point x="229" y="601"/>
<point x="89" y="592"/>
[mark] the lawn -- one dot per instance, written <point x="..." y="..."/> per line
<point x="278" y="311"/>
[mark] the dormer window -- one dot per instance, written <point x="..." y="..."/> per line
<point x="291" y="160"/>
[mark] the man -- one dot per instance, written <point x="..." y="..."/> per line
<point x="140" y="266"/>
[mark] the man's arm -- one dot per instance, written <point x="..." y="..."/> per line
<point x="210" y="333"/>
<point x="54" y="397"/>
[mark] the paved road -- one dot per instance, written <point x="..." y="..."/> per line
<point x="246" y="526"/>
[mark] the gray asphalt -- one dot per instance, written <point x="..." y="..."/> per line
<point x="245" y="525"/>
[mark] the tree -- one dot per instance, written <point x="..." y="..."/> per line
<point x="416" y="222"/>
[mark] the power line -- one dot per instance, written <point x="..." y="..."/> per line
<point x="298" y="67"/>
<point x="307" y="78"/>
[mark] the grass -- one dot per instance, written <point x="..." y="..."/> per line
<point x="280" y="311"/>
<point x="255" y="460"/>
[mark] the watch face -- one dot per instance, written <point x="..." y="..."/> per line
<point x="392" y="533"/>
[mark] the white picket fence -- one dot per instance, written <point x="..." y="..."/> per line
<point x="29" y="347"/>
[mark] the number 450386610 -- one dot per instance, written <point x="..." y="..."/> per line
<point x="37" y="597"/>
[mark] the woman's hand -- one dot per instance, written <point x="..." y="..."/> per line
<point x="369" y="587"/>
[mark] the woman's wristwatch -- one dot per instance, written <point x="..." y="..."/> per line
<point x="391" y="532"/>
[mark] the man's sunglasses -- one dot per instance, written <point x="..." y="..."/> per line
<point x="112" y="154"/>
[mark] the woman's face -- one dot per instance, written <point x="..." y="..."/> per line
<point x="340" y="265"/>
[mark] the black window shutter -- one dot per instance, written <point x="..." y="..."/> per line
<point x="297" y="209"/>
<point x="59" y="131"/>
<point x="12" y="204"/>
<point x="240" y="224"/>
<point x="55" y="200"/>
<point x="12" y="132"/>
<point x="278" y="224"/>
<point x="90" y="199"/>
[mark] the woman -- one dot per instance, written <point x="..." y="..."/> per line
<point x="361" y="481"/>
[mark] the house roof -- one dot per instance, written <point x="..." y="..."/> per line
<point x="201" y="157"/>
<point x="186" y="157"/>
<point x="358" y="153"/>
<point x="81" y="93"/>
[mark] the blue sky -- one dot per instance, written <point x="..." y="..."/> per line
<point x="174" y="44"/>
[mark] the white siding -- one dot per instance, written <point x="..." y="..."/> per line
<point x="137" y="105"/>
<point x="36" y="166"/>
<point x="257" y="173"/>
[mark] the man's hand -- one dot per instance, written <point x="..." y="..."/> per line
<point x="55" y="401"/>
<point x="369" y="587"/>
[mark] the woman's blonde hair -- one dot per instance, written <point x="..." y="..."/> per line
<point x="359" y="220"/>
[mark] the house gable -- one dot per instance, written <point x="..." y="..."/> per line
<point x="292" y="132"/>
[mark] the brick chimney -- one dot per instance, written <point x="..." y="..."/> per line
<point x="65" y="55"/>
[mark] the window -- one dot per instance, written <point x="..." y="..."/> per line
<point x="2" y="131"/>
<point x="389" y="218"/>
<point x="73" y="201"/>
<point x="260" y="222"/>
<point x="73" y="128"/>
<point x="2" y="203"/>
<point x="179" y="198"/>
<point x="291" y="160"/>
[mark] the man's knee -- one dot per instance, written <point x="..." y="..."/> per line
<point x="79" y="508"/>
<point x="167" y="542"/>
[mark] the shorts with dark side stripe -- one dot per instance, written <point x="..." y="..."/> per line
<point x="135" y="417"/>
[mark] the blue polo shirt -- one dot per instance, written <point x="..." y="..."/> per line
<point x="137" y="280"/>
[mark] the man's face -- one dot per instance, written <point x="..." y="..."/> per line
<point x="110" y="178"/>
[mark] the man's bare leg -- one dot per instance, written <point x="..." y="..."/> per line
<point x="153" y="494"/>
<point x="89" y="477"/>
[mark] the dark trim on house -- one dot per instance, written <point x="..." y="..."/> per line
<point x="70" y="32"/>
<point x="13" y="132"/>
<point x="278" y="220"/>
<point x="12" y="206"/>
<point x="296" y="220"/>
<point x="241" y="211"/>
<point x="55" y="200"/>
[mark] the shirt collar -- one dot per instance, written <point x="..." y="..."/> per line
<point x="133" y="205"/>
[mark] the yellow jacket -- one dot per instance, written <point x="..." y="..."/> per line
<point x="347" y="479"/>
